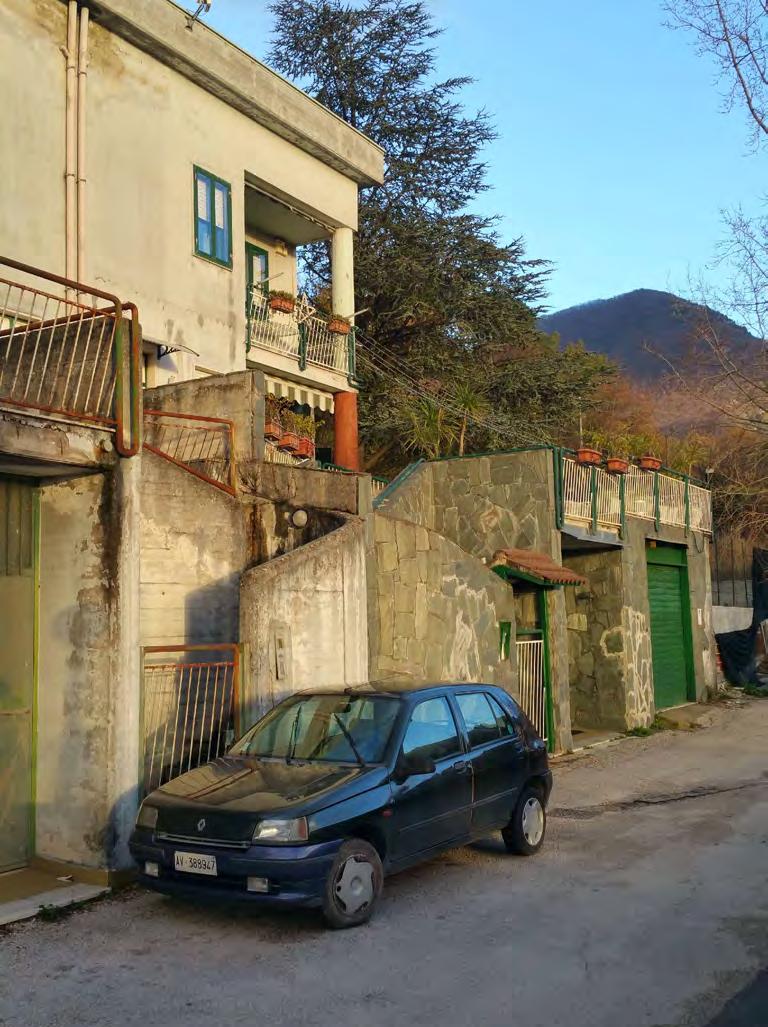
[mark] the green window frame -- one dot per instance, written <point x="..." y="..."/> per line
<point x="212" y="205"/>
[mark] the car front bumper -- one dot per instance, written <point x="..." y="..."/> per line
<point x="296" y="873"/>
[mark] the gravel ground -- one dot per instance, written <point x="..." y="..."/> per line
<point x="648" y="906"/>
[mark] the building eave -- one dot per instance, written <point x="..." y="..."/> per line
<point x="217" y="65"/>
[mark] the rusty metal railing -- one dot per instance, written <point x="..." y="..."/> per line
<point x="190" y="707"/>
<point x="64" y="358"/>
<point x="204" y="446"/>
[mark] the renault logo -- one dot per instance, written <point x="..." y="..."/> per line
<point x="201" y="824"/>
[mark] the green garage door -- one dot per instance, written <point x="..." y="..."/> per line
<point x="670" y="626"/>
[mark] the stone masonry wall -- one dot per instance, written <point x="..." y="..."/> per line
<point x="433" y="610"/>
<point x="596" y="640"/>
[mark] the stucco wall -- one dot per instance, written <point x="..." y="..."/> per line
<point x="147" y="125"/>
<point x="88" y="675"/>
<point x="433" y="610"/>
<point x="303" y="619"/>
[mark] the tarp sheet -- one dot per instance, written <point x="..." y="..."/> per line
<point x="737" y="648"/>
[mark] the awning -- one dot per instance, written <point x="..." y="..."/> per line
<point x="315" y="398"/>
<point x="535" y="567"/>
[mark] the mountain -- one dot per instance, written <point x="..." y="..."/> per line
<point x="619" y="328"/>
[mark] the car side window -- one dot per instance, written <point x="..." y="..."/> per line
<point x="479" y="718"/>
<point x="503" y="719"/>
<point x="432" y="731"/>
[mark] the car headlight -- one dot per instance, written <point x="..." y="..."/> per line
<point x="282" y="831"/>
<point x="147" y="817"/>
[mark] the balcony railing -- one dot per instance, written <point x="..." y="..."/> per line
<point x="69" y="352"/>
<point x="306" y="340"/>
<point x="595" y="498"/>
<point x="204" y="446"/>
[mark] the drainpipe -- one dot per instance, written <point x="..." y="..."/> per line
<point x="70" y="132"/>
<point x="82" y="78"/>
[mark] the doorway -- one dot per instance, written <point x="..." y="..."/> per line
<point x="671" y="642"/>
<point x="18" y="553"/>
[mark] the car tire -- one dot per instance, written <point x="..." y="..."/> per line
<point x="353" y="885"/>
<point x="524" y="834"/>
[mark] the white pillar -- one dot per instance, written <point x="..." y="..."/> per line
<point x="343" y="272"/>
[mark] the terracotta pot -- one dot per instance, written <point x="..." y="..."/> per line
<point x="338" y="326"/>
<point x="585" y="455"/>
<point x="272" y="429"/>
<point x="617" y="465"/>
<point x="649" y="463"/>
<point x="282" y="303"/>
<point x="289" y="441"/>
<point x="306" y="447"/>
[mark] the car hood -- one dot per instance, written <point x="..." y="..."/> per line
<point x="236" y="789"/>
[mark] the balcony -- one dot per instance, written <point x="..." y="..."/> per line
<point x="593" y="497"/>
<point x="304" y="340"/>
<point x="68" y="353"/>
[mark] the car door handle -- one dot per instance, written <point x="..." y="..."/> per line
<point x="461" y="767"/>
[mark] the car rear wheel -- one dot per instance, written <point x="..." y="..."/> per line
<point x="353" y="886"/>
<point x="524" y="834"/>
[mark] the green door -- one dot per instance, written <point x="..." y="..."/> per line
<point x="17" y="616"/>
<point x="670" y="626"/>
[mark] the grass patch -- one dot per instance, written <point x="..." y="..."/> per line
<point x="755" y="691"/>
<point x="643" y="732"/>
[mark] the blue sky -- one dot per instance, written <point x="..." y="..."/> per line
<point x="614" y="157"/>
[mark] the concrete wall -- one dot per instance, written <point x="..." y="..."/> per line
<point x="433" y="610"/>
<point x="147" y="125"/>
<point x="88" y="674"/>
<point x="195" y="542"/>
<point x="731" y="618"/>
<point x="303" y="619"/>
<point x="237" y="397"/>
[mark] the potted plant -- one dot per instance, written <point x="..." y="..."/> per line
<point x="339" y="325"/>
<point x="282" y="301"/>
<point x="588" y="456"/>
<point x="617" y="465"/>
<point x="289" y="437"/>
<point x="272" y="427"/>
<point x="305" y="428"/>
<point x="649" y="463"/>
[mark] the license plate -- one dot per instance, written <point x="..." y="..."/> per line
<point x="195" y="863"/>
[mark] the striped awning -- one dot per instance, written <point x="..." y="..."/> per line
<point x="283" y="389"/>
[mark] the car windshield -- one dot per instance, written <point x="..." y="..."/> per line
<point x="330" y="727"/>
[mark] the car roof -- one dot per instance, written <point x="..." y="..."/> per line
<point x="399" y="686"/>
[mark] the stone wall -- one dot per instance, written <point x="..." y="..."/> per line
<point x="433" y="610"/>
<point x="303" y="619"/>
<point x="597" y="667"/>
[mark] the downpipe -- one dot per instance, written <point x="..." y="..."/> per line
<point x="82" y="82"/>
<point x="70" y="135"/>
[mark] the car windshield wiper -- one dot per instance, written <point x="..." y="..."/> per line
<point x="294" y="736"/>
<point x="351" y="740"/>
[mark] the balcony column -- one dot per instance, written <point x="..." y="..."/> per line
<point x="345" y="446"/>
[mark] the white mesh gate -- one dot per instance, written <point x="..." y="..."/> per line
<point x="532" y="681"/>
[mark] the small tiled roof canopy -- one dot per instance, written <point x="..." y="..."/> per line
<point x="531" y="564"/>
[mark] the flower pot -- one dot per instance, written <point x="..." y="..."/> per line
<point x="649" y="463"/>
<point x="282" y="303"/>
<point x="272" y="429"/>
<point x="617" y="465"/>
<point x="338" y="326"/>
<point x="585" y="455"/>
<point x="306" y="447"/>
<point x="289" y="441"/>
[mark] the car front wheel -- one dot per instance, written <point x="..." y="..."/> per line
<point x="524" y="834"/>
<point x="353" y="886"/>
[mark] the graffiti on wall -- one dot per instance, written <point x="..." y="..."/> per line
<point x="637" y="647"/>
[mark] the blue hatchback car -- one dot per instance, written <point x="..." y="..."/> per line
<point x="334" y="789"/>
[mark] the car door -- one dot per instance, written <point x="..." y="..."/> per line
<point x="435" y="809"/>
<point x="498" y="757"/>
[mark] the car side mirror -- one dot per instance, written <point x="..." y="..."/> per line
<point x="414" y="763"/>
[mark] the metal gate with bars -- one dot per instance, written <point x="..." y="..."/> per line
<point x="190" y="708"/>
<point x="533" y="683"/>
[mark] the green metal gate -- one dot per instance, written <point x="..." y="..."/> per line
<point x="668" y="597"/>
<point x="17" y="645"/>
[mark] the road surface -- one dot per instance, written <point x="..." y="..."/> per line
<point x="647" y="908"/>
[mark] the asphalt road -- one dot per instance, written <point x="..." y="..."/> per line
<point x="648" y="906"/>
